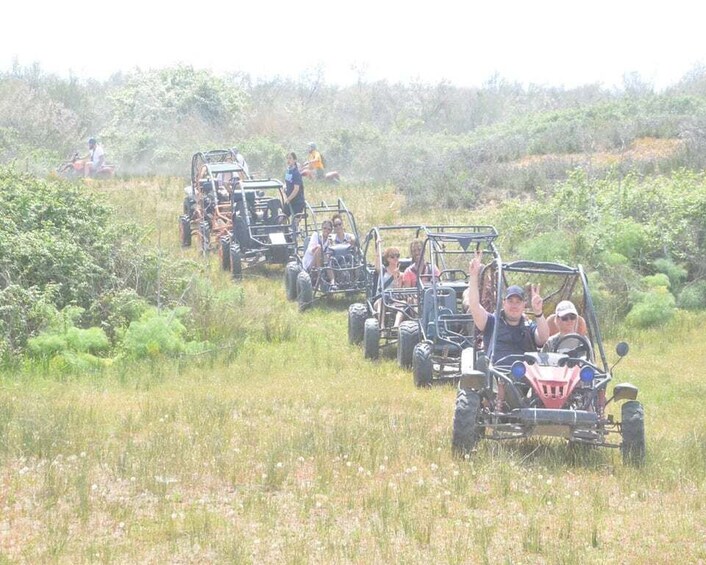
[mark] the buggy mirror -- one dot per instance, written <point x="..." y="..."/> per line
<point x="622" y="350"/>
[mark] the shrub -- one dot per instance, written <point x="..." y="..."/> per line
<point x="676" y="273"/>
<point x="156" y="335"/>
<point x="652" y="308"/>
<point x="693" y="296"/>
<point x="553" y="247"/>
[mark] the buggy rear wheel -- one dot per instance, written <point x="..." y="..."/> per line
<point x="236" y="263"/>
<point x="185" y="231"/>
<point x="465" y="428"/>
<point x="409" y="337"/>
<point x="356" y="323"/>
<point x="422" y="368"/>
<point x="633" y="429"/>
<point x="224" y="253"/>
<point x="371" y="339"/>
<point x="291" y="272"/>
<point x="305" y="292"/>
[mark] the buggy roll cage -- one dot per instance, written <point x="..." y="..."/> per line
<point x="494" y="278"/>
<point x="442" y="245"/>
<point x="392" y="299"/>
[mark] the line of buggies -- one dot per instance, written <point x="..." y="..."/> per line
<point x="425" y="324"/>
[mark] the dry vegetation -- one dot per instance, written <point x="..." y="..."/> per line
<point x="294" y="449"/>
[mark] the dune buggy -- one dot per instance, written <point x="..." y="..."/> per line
<point x="208" y="209"/>
<point x="562" y="394"/>
<point x="444" y="328"/>
<point x="261" y="233"/>
<point x="241" y="215"/>
<point x="342" y="271"/>
<point x="387" y="319"/>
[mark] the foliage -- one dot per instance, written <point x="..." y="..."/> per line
<point x="161" y="117"/>
<point x="59" y="247"/>
<point x="654" y="307"/>
<point x="676" y="273"/>
<point x="157" y="334"/>
<point x="693" y="296"/>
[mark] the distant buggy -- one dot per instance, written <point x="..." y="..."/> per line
<point x="444" y="328"/>
<point x="239" y="215"/>
<point x="563" y="394"/>
<point x="374" y="322"/>
<point x="342" y="269"/>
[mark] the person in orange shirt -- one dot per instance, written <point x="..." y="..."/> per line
<point x="315" y="162"/>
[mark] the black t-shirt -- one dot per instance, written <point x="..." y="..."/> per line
<point x="511" y="340"/>
<point x="293" y="177"/>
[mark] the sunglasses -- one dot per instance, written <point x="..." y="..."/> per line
<point x="568" y="318"/>
<point x="394" y="256"/>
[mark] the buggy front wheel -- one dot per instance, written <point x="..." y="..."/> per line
<point x="305" y="291"/>
<point x="633" y="429"/>
<point x="224" y="253"/>
<point x="465" y="427"/>
<point x="356" y="323"/>
<point x="291" y="271"/>
<point x="371" y="339"/>
<point x="185" y="231"/>
<point x="422" y="367"/>
<point x="409" y="337"/>
<point x="236" y="263"/>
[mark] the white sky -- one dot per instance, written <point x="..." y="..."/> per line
<point x="546" y="42"/>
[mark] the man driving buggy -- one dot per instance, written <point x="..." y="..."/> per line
<point x="516" y="334"/>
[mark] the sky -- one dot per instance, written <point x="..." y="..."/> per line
<point x="464" y="42"/>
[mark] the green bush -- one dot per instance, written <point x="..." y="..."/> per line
<point x="693" y="297"/>
<point x="156" y="335"/>
<point x="676" y="273"/>
<point x="660" y="280"/>
<point x="552" y="247"/>
<point x="652" y="308"/>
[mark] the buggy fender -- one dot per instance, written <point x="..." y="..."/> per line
<point x="625" y="391"/>
<point x="471" y="378"/>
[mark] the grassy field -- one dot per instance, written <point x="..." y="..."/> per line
<point x="291" y="448"/>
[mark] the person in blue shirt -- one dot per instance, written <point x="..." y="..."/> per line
<point x="294" y="191"/>
<point x="516" y="333"/>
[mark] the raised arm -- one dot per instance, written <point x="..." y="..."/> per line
<point x="542" y="333"/>
<point x="471" y="296"/>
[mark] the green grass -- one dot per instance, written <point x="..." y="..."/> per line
<point x="292" y="448"/>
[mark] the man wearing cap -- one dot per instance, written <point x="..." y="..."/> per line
<point x="516" y="334"/>
<point x="568" y="322"/>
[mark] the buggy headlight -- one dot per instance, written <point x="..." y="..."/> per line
<point x="587" y="373"/>
<point x="518" y="370"/>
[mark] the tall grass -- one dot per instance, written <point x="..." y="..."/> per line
<point x="295" y="449"/>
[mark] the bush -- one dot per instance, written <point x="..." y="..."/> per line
<point x="693" y="297"/>
<point x="552" y="247"/>
<point x="652" y="308"/>
<point x="676" y="273"/>
<point x="157" y="334"/>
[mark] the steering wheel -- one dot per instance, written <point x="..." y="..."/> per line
<point x="582" y="350"/>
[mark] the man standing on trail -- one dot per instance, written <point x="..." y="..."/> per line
<point x="294" y="202"/>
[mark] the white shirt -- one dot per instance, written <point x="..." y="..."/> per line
<point x="241" y="161"/>
<point x="96" y="155"/>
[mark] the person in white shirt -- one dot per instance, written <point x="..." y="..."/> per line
<point x="95" y="158"/>
<point x="238" y="158"/>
